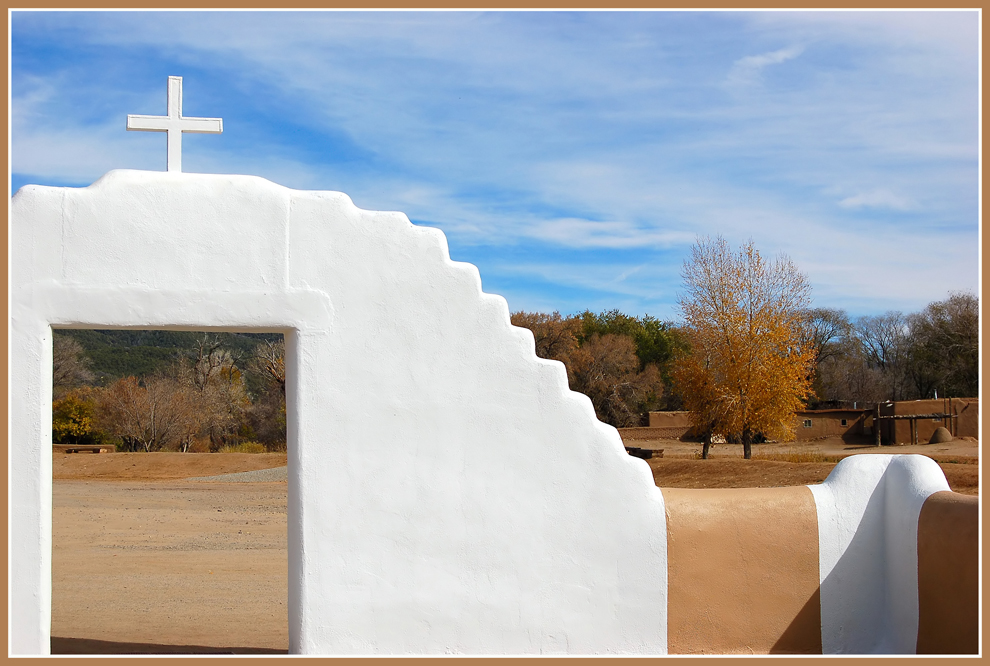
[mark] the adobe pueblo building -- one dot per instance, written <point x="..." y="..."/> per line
<point x="901" y="422"/>
<point x="447" y="492"/>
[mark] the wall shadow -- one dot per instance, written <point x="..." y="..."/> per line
<point x="804" y="634"/>
<point x="855" y="588"/>
<point x="63" y="645"/>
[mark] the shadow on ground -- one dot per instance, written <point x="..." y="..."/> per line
<point x="62" y="645"/>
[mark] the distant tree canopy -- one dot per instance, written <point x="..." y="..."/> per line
<point x="218" y="390"/>
<point x="115" y="353"/>
<point x="620" y="362"/>
<point x="195" y="392"/>
<point x="893" y="356"/>
<point x="749" y="360"/>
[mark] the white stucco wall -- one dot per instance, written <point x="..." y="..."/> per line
<point x="868" y="511"/>
<point x="447" y="492"/>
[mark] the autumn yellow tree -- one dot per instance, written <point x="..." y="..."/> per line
<point x="73" y="417"/>
<point x="748" y="367"/>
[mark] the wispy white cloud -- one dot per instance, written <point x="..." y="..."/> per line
<point x="576" y="233"/>
<point x="878" y="199"/>
<point x="747" y="69"/>
<point x="582" y="133"/>
<point x="893" y="270"/>
<point x="941" y="35"/>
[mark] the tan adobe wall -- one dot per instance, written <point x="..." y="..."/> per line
<point x="671" y="425"/>
<point x="670" y="419"/>
<point x="742" y="571"/>
<point x="948" y="574"/>
<point x="968" y="423"/>
<point x="899" y="431"/>
<point x="828" y="423"/>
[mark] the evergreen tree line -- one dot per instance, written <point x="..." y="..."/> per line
<point x="169" y="391"/>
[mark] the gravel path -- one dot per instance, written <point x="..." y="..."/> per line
<point x="260" y="475"/>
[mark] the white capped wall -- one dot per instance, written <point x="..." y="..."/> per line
<point x="447" y="492"/>
<point x="868" y="510"/>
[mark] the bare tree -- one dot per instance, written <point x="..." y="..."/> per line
<point x="266" y="415"/>
<point x="70" y="367"/>
<point x="943" y="347"/>
<point x="218" y="383"/>
<point x="156" y="414"/>
<point x="556" y="336"/>
<point x="606" y="369"/>
<point x="827" y="329"/>
<point x="269" y="362"/>
<point x="884" y="339"/>
<point x="849" y="376"/>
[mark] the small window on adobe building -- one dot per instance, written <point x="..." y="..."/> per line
<point x="844" y="422"/>
<point x="807" y="423"/>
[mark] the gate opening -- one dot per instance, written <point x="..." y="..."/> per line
<point x="170" y="492"/>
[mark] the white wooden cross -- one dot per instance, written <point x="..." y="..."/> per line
<point x="174" y="124"/>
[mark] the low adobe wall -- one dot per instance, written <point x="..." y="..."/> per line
<point x="670" y="425"/>
<point x="866" y="562"/>
<point x="743" y="571"/>
<point x="670" y="419"/>
<point x="948" y="574"/>
<point x="824" y="423"/>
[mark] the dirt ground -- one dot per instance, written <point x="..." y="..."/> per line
<point x="146" y="561"/>
<point x="158" y="466"/>
<point x="793" y="463"/>
<point x="169" y="563"/>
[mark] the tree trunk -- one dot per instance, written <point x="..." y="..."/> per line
<point x="747" y="442"/>
<point x="706" y="443"/>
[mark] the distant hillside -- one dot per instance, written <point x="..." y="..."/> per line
<point x="122" y="353"/>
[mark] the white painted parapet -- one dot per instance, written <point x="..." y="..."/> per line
<point x="447" y="492"/>
<point x="868" y="511"/>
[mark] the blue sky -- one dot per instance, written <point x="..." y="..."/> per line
<point x="574" y="157"/>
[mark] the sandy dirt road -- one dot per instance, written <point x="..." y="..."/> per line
<point x="169" y="563"/>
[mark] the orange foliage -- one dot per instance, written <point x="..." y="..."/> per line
<point x="749" y="365"/>
<point x="606" y="369"/>
<point x="556" y="337"/>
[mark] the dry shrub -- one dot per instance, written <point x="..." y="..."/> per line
<point x="243" y="447"/>
<point x="795" y="457"/>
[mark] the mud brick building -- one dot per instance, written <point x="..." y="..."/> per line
<point x="963" y="422"/>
